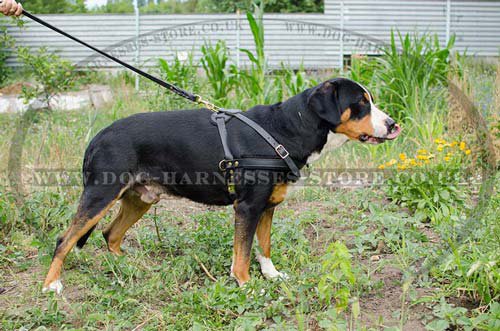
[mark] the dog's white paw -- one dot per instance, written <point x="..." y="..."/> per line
<point x="276" y="275"/>
<point x="55" y="286"/>
<point x="269" y="270"/>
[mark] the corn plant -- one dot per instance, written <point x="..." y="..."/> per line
<point x="289" y="83"/>
<point x="256" y="86"/>
<point x="215" y="63"/>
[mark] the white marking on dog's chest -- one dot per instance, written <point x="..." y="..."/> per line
<point x="334" y="140"/>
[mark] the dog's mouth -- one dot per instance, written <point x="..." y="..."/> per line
<point x="393" y="134"/>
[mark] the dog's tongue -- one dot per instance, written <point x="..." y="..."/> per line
<point x="394" y="133"/>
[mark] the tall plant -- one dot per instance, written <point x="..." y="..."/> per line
<point x="410" y="75"/>
<point x="255" y="83"/>
<point x="215" y="63"/>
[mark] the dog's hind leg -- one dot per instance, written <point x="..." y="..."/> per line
<point x="131" y="210"/>
<point x="94" y="203"/>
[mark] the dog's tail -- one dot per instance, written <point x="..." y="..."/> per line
<point x="83" y="240"/>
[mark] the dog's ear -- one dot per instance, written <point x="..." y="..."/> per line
<point x="324" y="101"/>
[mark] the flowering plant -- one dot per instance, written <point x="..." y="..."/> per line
<point x="432" y="182"/>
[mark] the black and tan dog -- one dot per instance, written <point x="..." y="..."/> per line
<point x="147" y="146"/>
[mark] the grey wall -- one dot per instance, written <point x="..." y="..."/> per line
<point x="314" y="40"/>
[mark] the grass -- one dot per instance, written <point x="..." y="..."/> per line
<point x="356" y="258"/>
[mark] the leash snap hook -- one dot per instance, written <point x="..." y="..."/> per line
<point x="199" y="99"/>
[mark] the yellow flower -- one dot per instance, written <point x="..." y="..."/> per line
<point x="381" y="166"/>
<point x="425" y="157"/>
<point x="391" y="163"/>
<point x="462" y="146"/>
<point x="455" y="143"/>
<point x="440" y="148"/>
<point x="413" y="162"/>
<point x="427" y="161"/>
<point x="422" y="151"/>
<point x="402" y="156"/>
<point x="447" y="158"/>
<point x="401" y="167"/>
<point x="440" y="141"/>
<point x="467" y="152"/>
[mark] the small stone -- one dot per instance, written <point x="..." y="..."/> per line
<point x="375" y="258"/>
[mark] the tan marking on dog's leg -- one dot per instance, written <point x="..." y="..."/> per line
<point x="131" y="210"/>
<point x="264" y="241"/>
<point x="241" y="262"/>
<point x="77" y="229"/>
<point x="279" y="194"/>
<point x="244" y="231"/>
<point x="264" y="232"/>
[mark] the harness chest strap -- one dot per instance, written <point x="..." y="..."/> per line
<point x="284" y="163"/>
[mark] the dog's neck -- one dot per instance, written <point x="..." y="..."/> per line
<point x="300" y="129"/>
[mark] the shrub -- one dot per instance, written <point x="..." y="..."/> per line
<point x="6" y="43"/>
<point x="182" y="71"/>
<point x="52" y="74"/>
<point x="429" y="183"/>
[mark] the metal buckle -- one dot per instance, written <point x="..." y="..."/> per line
<point x="282" y="152"/>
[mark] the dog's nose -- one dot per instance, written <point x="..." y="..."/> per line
<point x="390" y="124"/>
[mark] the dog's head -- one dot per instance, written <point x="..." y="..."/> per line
<point x="348" y="108"/>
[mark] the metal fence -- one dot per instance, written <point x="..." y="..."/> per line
<point x="311" y="40"/>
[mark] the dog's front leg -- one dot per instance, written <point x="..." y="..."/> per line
<point x="247" y="216"/>
<point x="263" y="251"/>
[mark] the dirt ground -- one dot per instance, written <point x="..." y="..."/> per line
<point x="382" y="304"/>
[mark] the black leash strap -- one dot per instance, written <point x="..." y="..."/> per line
<point x="185" y="94"/>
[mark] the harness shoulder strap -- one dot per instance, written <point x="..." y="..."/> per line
<point x="278" y="148"/>
<point x="220" y="119"/>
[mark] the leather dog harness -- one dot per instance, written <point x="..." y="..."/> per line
<point x="229" y="164"/>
